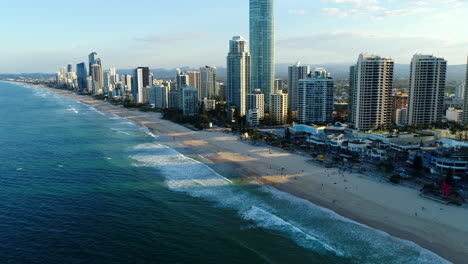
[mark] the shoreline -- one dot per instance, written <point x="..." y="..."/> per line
<point x="396" y="210"/>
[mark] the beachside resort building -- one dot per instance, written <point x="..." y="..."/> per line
<point x="279" y="107"/>
<point x="238" y="74"/>
<point x="315" y="98"/>
<point x="427" y="90"/>
<point x="256" y="100"/>
<point x="371" y="85"/>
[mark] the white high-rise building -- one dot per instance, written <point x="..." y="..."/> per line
<point x="256" y="100"/>
<point x="137" y="90"/>
<point x="238" y="74"/>
<point x="208" y="83"/>
<point x="279" y="107"/>
<point x="295" y="73"/>
<point x="315" y="98"/>
<point x="427" y="90"/>
<point x="371" y="85"/>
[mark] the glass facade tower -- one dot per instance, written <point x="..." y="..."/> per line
<point x="262" y="47"/>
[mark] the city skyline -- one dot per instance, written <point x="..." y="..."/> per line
<point x="418" y="26"/>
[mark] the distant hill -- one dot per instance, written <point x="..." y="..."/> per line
<point x="338" y="71"/>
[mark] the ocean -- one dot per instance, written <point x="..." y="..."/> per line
<point x="81" y="186"/>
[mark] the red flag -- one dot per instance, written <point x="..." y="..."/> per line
<point x="445" y="189"/>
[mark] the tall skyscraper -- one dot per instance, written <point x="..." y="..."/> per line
<point x="262" y="46"/>
<point x="371" y="85"/>
<point x="279" y="107"/>
<point x="82" y="74"/>
<point x="69" y="68"/>
<point x="140" y="81"/>
<point x="93" y="59"/>
<point x="208" y="83"/>
<point x="465" y="108"/>
<point x="97" y="78"/>
<point x="315" y="98"/>
<point x="295" y="73"/>
<point x="427" y="90"/>
<point x="238" y="74"/>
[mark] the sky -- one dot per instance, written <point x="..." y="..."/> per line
<point x="42" y="36"/>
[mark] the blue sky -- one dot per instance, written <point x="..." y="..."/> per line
<point x="41" y="36"/>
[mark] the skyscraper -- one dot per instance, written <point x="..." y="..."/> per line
<point x="295" y="73"/>
<point x="371" y="85"/>
<point x="97" y="78"/>
<point x="140" y="81"/>
<point x="82" y="74"/>
<point x="465" y="108"/>
<point x="238" y="74"/>
<point x="279" y="107"/>
<point x="315" y="98"/>
<point x="208" y="83"/>
<point x="69" y="68"/>
<point x="93" y="59"/>
<point x="262" y="46"/>
<point x="427" y="90"/>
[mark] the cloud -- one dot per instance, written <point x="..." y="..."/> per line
<point x="298" y="12"/>
<point x="400" y="12"/>
<point x="354" y="2"/>
<point x="335" y="12"/>
<point x="345" y="46"/>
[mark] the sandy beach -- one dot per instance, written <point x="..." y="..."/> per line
<point x="396" y="210"/>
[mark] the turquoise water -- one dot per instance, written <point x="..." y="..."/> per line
<point x="80" y="186"/>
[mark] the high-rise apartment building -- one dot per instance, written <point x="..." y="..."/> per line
<point x="465" y="108"/>
<point x="140" y="81"/>
<point x="238" y="74"/>
<point x="190" y="100"/>
<point x="315" y="98"/>
<point x="262" y="46"/>
<point x="69" y="68"/>
<point x="161" y="96"/>
<point x="427" y="90"/>
<point x="399" y="101"/>
<point x="279" y="107"/>
<point x="371" y="85"/>
<point x="208" y="83"/>
<point x="194" y="79"/>
<point x="256" y="100"/>
<point x="295" y="73"/>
